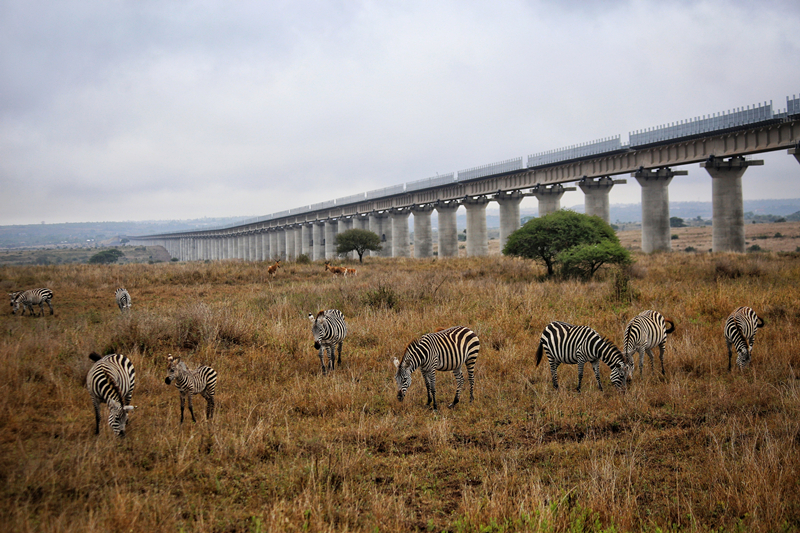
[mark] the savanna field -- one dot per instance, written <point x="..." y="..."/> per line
<point x="289" y="449"/>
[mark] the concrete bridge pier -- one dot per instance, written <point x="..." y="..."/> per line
<point x="305" y="239"/>
<point x="795" y="152"/>
<point x="298" y="240"/>
<point x="477" y="237"/>
<point x="423" y="234"/>
<point x="318" y="234"/>
<point x="361" y="221"/>
<point x="596" y="195"/>
<point x="288" y="233"/>
<point x="400" y="241"/>
<point x="448" y="231"/>
<point x="386" y="235"/>
<point x="375" y="225"/>
<point x="331" y="226"/>
<point x="727" y="202"/>
<point x="655" y="207"/>
<point x="281" y="244"/>
<point x="549" y="197"/>
<point x="273" y="245"/>
<point x="509" y="213"/>
<point x="251" y="246"/>
<point x="264" y="245"/>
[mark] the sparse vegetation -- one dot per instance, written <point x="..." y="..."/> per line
<point x="290" y="450"/>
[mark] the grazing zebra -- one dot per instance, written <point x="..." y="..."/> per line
<point x="123" y="299"/>
<point x="111" y="380"/>
<point x="445" y="350"/>
<point x="30" y="298"/>
<point x="740" y="331"/>
<point x="644" y="332"/>
<point x="202" y="381"/>
<point x="569" y="344"/>
<point x="329" y="330"/>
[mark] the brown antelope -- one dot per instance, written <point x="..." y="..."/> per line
<point x="335" y="270"/>
<point x="350" y="272"/>
<point x="273" y="269"/>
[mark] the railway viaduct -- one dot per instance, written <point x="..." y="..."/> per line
<point x="719" y="143"/>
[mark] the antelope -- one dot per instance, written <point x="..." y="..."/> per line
<point x="273" y="269"/>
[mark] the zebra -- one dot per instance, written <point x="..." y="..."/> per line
<point x="123" y="299"/>
<point x="111" y="380"/>
<point x="569" y="344"/>
<point x="644" y="332"/>
<point x="329" y="330"/>
<point x="445" y="350"/>
<point x="740" y="331"/>
<point x="30" y="298"/>
<point x="202" y="381"/>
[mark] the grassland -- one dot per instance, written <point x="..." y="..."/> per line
<point x="290" y="450"/>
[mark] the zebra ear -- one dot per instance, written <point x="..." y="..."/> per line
<point x="129" y="407"/>
<point x="396" y="363"/>
<point x="311" y="317"/>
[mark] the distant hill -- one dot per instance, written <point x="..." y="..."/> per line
<point x="93" y="234"/>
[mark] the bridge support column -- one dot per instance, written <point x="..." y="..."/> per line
<point x="727" y="202"/>
<point x="298" y="241"/>
<point x="795" y="152"/>
<point x="376" y="223"/>
<point x="509" y="214"/>
<point x="655" y="207"/>
<point x="330" y="239"/>
<point x="264" y="235"/>
<point x="291" y="252"/>
<point x="423" y="234"/>
<point x="549" y="197"/>
<point x="318" y="235"/>
<point x="281" y="244"/>
<point x="596" y="192"/>
<point x="306" y="239"/>
<point x="448" y="231"/>
<point x="361" y="222"/>
<point x="400" y="242"/>
<point x="477" y="237"/>
<point x="273" y="245"/>
<point x="386" y="236"/>
<point x="251" y="246"/>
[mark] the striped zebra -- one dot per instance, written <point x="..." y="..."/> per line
<point x="202" y="381"/>
<point x="445" y="350"/>
<point x="644" y="332"/>
<point x="569" y="344"/>
<point x="111" y="380"/>
<point x="740" y="331"/>
<point x="329" y="330"/>
<point x="123" y="299"/>
<point x="28" y="299"/>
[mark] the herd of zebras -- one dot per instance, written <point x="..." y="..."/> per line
<point x="112" y="378"/>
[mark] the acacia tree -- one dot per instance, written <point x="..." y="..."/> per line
<point x="357" y="240"/>
<point x="545" y="238"/>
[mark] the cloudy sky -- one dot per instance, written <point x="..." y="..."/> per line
<point x="141" y="110"/>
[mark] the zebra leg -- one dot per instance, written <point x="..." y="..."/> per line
<point x="580" y="375"/>
<point x="652" y="359"/>
<point x="430" y="383"/>
<point x="729" y="353"/>
<point x="471" y="377"/>
<point x="48" y="305"/>
<point x="661" y="356"/>
<point x="459" y="383"/>
<point x="332" y="358"/>
<point x="554" y="374"/>
<point x="191" y="410"/>
<point x="322" y="359"/>
<point x="596" y="368"/>
<point x="96" y="417"/>
<point x="209" y="405"/>
<point x="183" y="403"/>
<point x="641" y="362"/>
<point x="340" y="353"/>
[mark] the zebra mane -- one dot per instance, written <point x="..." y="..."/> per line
<point x="414" y="342"/>
<point x="439" y="329"/>
<point x="113" y="385"/>
<point x="94" y="356"/>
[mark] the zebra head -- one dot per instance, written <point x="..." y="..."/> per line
<point x="117" y="410"/>
<point x="15" y="297"/>
<point x="316" y="329"/>
<point x="175" y="367"/>
<point x="403" y="379"/>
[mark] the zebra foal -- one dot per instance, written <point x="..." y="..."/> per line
<point x="202" y="381"/>
<point x="329" y="330"/>
<point x="578" y="345"/>
<point x="111" y="381"/>
<point x="740" y="331"/>
<point x="29" y="298"/>
<point x="444" y="350"/>
<point x="644" y="332"/>
<point x="123" y="299"/>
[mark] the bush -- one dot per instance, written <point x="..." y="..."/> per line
<point x="106" y="257"/>
<point x="303" y="259"/>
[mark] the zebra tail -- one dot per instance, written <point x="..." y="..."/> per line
<point x="760" y="323"/>
<point x="95" y="357"/>
<point x="539" y="352"/>
<point x="671" y="327"/>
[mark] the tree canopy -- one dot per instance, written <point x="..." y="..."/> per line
<point x="357" y="240"/>
<point x="581" y="244"/>
<point x="106" y="256"/>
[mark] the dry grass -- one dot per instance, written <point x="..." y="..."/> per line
<point x="292" y="450"/>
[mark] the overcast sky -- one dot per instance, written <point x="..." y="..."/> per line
<point x="141" y="110"/>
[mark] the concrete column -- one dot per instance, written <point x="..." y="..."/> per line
<point x="231" y="246"/>
<point x="423" y="234"/>
<point x="549" y="197"/>
<point x="251" y="246"/>
<point x="655" y="207"/>
<point x="727" y="202"/>
<point x="318" y="234"/>
<point x="298" y="241"/>
<point x="273" y="245"/>
<point x="343" y="225"/>
<point x="596" y="192"/>
<point x="376" y="225"/>
<point x="288" y="233"/>
<point x="448" y="230"/>
<point x="282" y="244"/>
<point x="477" y="237"/>
<point x="305" y="240"/>
<point x="331" y="227"/>
<point x="256" y="246"/>
<point x="400" y="241"/>
<point x="509" y="214"/>
<point x="263" y="245"/>
<point x="216" y="247"/>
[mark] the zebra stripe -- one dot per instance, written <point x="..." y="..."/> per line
<point x="740" y="331"/>
<point x="202" y="381"/>
<point x="30" y="298"/>
<point x="570" y="345"/>
<point x="123" y="299"/>
<point x="111" y="381"/>
<point x="644" y="332"/>
<point x="329" y="330"/>
<point x="445" y="350"/>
